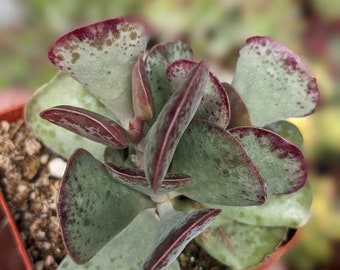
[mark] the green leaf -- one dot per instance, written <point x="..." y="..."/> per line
<point x="164" y="135"/>
<point x="288" y="210"/>
<point x="63" y="90"/>
<point x="214" y="106"/>
<point x="127" y="250"/>
<point x="273" y="82"/>
<point x="93" y="207"/>
<point x="156" y="62"/>
<point x="288" y="131"/>
<point x="241" y="246"/>
<point x="177" y="230"/>
<point x="221" y="170"/>
<point x="280" y="163"/>
<point x="101" y="57"/>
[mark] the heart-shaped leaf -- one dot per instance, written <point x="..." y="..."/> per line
<point x="123" y="250"/>
<point x="280" y="163"/>
<point x="177" y="230"/>
<point x="88" y="124"/>
<point x="93" y="207"/>
<point x="141" y="92"/>
<point x="288" y="131"/>
<point x="164" y="135"/>
<point x="273" y="82"/>
<point x="241" y="246"/>
<point x="221" y="170"/>
<point x="63" y="90"/>
<point x="101" y="57"/>
<point x="156" y="62"/>
<point x="214" y="106"/>
<point x="288" y="210"/>
<point x="239" y="111"/>
<point x="136" y="179"/>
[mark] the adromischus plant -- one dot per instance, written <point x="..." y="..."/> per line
<point x="180" y="155"/>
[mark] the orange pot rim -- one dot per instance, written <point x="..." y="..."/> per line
<point x="13" y="114"/>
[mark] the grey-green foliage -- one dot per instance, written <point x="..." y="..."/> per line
<point x="244" y="182"/>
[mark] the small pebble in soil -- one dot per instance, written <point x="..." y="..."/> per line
<point x="56" y="167"/>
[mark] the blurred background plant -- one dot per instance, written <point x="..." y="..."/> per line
<point x="216" y="30"/>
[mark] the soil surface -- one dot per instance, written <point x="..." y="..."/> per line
<point x="31" y="190"/>
<point x="31" y="193"/>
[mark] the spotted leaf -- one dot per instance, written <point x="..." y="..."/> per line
<point x="130" y="253"/>
<point x="163" y="137"/>
<point x="156" y="62"/>
<point x="239" y="245"/>
<point x="220" y="168"/>
<point x="214" y="106"/>
<point x="280" y="163"/>
<point x="136" y="179"/>
<point x="273" y="82"/>
<point x="101" y="57"/>
<point x="93" y="207"/>
<point x="88" y="124"/>
<point x="177" y="230"/>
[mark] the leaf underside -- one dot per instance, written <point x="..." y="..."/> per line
<point x="142" y="101"/>
<point x="99" y="55"/>
<point x="273" y="82"/>
<point x="163" y="137"/>
<point x="93" y="207"/>
<point x="214" y="106"/>
<point x="221" y="170"/>
<point x="177" y="230"/>
<point x="136" y="179"/>
<point x="280" y="163"/>
<point x="88" y="124"/>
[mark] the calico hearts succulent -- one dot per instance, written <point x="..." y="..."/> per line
<point x="160" y="152"/>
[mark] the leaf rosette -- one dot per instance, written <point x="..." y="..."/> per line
<point x="159" y="149"/>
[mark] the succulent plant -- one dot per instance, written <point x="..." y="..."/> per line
<point x="160" y="152"/>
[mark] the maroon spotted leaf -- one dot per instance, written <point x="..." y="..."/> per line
<point x="88" y="206"/>
<point x="280" y="162"/>
<point x="88" y="124"/>
<point x="273" y="82"/>
<point x="177" y="230"/>
<point x="101" y="56"/>
<point x="222" y="171"/>
<point x="136" y="179"/>
<point x="164" y="135"/>
<point x="215" y="105"/>
<point x="141" y="92"/>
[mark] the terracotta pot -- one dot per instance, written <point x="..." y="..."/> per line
<point x="12" y="103"/>
<point x="13" y="255"/>
<point x="275" y="257"/>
